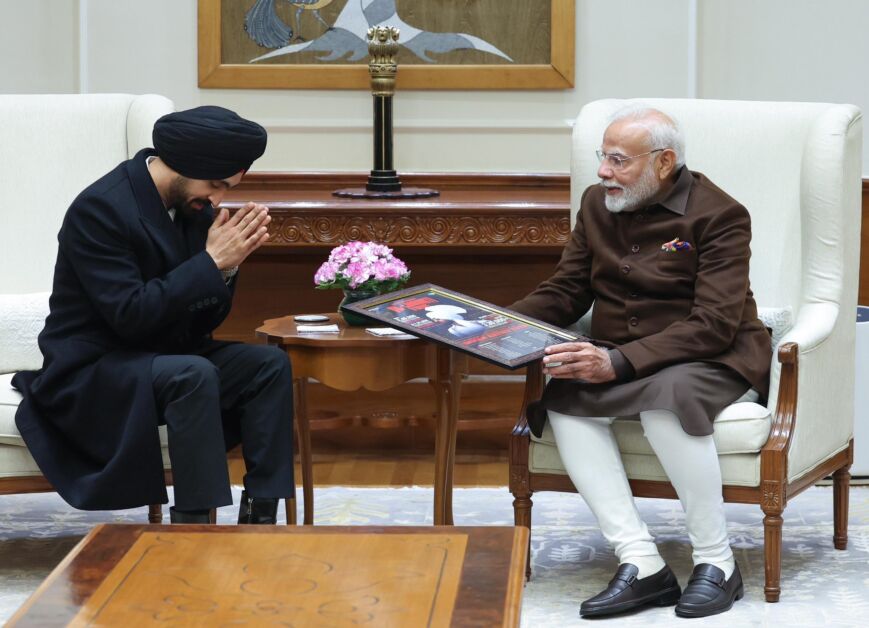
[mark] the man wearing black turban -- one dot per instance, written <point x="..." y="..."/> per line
<point x="145" y="272"/>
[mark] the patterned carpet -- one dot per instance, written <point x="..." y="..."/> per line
<point x="820" y="586"/>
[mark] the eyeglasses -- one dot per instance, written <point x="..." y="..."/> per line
<point x="617" y="162"/>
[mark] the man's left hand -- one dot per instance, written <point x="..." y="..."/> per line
<point x="579" y="360"/>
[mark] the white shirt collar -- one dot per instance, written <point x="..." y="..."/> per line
<point x="171" y="210"/>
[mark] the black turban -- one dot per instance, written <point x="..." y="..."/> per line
<point x="208" y="142"/>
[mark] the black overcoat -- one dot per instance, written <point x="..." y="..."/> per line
<point x="128" y="284"/>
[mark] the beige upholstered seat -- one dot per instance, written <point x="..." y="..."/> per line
<point x="741" y="430"/>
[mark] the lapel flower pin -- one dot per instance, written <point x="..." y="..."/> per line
<point x="676" y="245"/>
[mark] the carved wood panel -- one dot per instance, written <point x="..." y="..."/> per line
<point x="422" y="230"/>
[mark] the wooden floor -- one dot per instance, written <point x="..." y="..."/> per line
<point x="394" y="469"/>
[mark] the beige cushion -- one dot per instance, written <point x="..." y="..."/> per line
<point x="739" y="432"/>
<point x="22" y="317"/>
<point x="739" y="428"/>
<point x="778" y="320"/>
<point x="9" y="400"/>
<point x="16" y="462"/>
<point x="736" y="469"/>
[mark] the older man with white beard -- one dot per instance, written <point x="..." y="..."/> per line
<point x="663" y="254"/>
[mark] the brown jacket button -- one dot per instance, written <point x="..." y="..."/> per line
<point x="635" y="248"/>
<point x="626" y="269"/>
<point x="634" y="321"/>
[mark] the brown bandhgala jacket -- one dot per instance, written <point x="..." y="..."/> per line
<point x="662" y="304"/>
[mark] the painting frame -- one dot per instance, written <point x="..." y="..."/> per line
<point x="492" y="342"/>
<point x="558" y="74"/>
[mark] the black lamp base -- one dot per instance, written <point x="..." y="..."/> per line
<point x="383" y="181"/>
<point x="393" y="194"/>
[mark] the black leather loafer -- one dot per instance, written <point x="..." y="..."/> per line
<point x="708" y="593"/>
<point x="625" y="591"/>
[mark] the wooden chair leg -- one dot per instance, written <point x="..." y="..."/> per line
<point x="772" y="524"/>
<point x="155" y="513"/>
<point x="520" y="441"/>
<point x="290" y="506"/>
<point x="303" y="430"/>
<point x="841" y="486"/>
<point x="522" y="505"/>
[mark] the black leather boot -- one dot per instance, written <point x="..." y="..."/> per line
<point x="258" y="510"/>
<point x="180" y="516"/>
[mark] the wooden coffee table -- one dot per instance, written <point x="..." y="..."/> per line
<point x="353" y="359"/>
<point x="150" y="575"/>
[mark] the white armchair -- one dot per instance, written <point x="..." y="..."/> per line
<point x="797" y="168"/>
<point x="51" y="148"/>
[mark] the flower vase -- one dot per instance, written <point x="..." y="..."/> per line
<point x="351" y="296"/>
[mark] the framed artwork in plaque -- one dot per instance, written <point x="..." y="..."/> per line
<point x="444" y="44"/>
<point x="489" y="332"/>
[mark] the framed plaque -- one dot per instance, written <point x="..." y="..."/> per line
<point x="489" y="332"/>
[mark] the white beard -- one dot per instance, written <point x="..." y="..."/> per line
<point x="635" y="196"/>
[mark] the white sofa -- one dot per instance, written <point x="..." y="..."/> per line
<point x="51" y="148"/>
<point x="797" y="168"/>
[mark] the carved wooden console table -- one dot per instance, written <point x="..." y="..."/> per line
<point x="493" y="236"/>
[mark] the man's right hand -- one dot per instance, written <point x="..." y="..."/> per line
<point x="231" y="240"/>
<point x="579" y="360"/>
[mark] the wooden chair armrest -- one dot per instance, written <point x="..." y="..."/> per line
<point x="534" y="382"/>
<point x="786" y="405"/>
<point x="521" y="428"/>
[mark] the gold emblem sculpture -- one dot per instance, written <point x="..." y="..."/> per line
<point x="383" y="182"/>
<point x="383" y="48"/>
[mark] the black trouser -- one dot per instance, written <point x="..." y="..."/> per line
<point x="211" y="401"/>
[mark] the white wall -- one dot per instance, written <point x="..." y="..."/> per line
<point x="786" y="50"/>
<point x="38" y="46"/>
<point x="742" y="49"/>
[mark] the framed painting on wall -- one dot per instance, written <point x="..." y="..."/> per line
<point x="444" y="44"/>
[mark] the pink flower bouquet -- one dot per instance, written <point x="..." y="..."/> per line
<point x="362" y="266"/>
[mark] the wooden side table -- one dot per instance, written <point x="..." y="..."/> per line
<point x="354" y="359"/>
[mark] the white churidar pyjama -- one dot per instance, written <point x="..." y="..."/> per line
<point x="590" y="454"/>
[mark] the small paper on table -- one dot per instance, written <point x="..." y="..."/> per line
<point x="389" y="332"/>
<point x="317" y="329"/>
